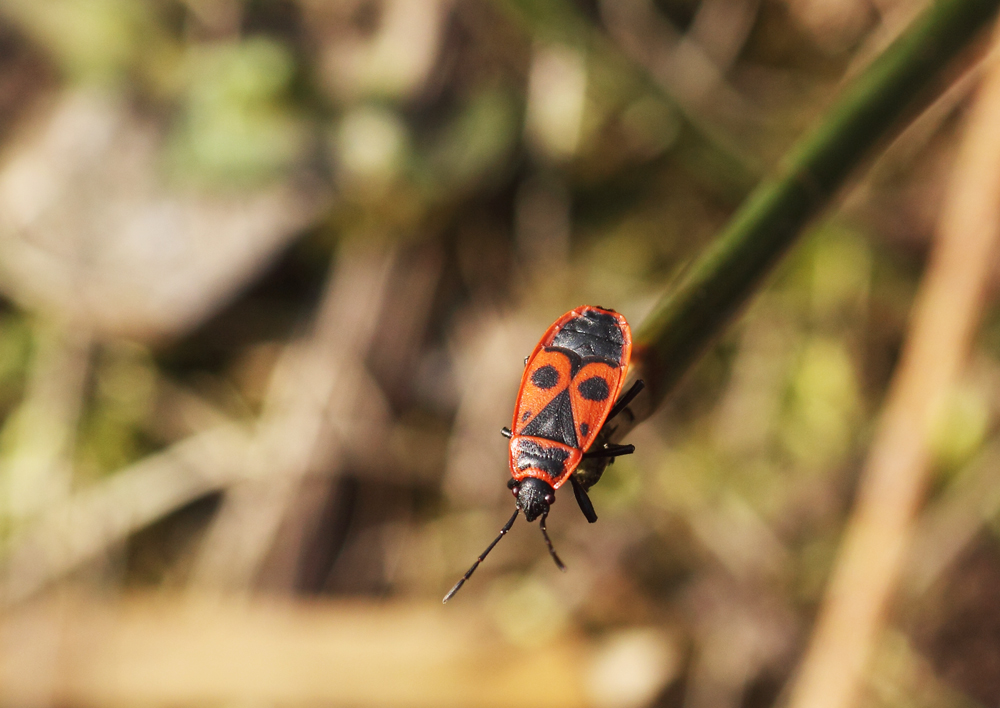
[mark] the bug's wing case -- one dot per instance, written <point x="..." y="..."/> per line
<point x="597" y="325"/>
<point x="592" y="394"/>
<point x="546" y="377"/>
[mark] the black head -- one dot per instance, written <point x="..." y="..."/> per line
<point x="533" y="496"/>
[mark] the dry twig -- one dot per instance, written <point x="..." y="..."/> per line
<point x="315" y="383"/>
<point x="943" y="322"/>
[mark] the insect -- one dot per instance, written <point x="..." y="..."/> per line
<point x="568" y="391"/>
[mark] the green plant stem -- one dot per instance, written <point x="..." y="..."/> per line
<point x="870" y="111"/>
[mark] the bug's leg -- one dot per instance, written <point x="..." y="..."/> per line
<point x="470" y="571"/>
<point x="610" y="451"/>
<point x="586" y="506"/>
<point x="506" y="432"/>
<point x="626" y="399"/>
<point x="552" y="551"/>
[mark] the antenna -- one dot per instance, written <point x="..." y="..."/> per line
<point x="503" y="532"/>
<point x="552" y="551"/>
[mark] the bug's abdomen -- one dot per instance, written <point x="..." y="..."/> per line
<point x="592" y="334"/>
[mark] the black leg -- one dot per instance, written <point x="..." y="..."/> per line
<point x="610" y="451"/>
<point x="626" y="399"/>
<point x="506" y="432"/>
<point x="586" y="506"/>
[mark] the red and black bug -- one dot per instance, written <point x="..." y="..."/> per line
<point x="568" y="392"/>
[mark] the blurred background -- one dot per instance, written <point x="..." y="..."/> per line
<point x="268" y="273"/>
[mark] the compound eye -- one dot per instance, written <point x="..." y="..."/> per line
<point x="550" y="498"/>
<point x="515" y="489"/>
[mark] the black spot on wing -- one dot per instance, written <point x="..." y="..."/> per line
<point x="545" y="377"/>
<point x="592" y="334"/>
<point x="584" y="429"/>
<point x="594" y="389"/>
<point x="554" y="422"/>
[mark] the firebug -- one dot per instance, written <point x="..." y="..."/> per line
<point x="567" y="396"/>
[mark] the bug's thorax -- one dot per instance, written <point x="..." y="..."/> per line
<point x="547" y="460"/>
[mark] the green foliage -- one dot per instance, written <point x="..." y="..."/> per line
<point x="236" y="126"/>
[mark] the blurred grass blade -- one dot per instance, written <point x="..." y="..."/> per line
<point x="704" y="150"/>
<point x="901" y="461"/>
<point x="870" y="111"/>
